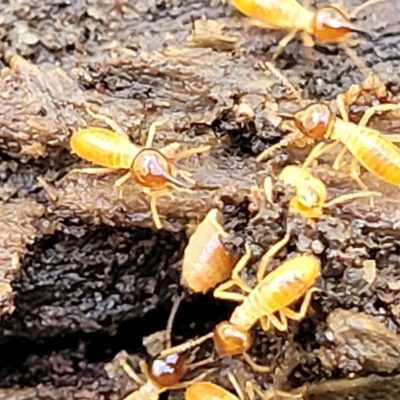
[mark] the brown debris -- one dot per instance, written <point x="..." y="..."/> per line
<point x="361" y="344"/>
<point x="93" y="268"/>
<point x="17" y="230"/>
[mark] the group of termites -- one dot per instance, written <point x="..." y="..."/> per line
<point x="206" y="264"/>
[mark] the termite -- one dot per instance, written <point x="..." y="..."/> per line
<point x="273" y="294"/>
<point x="311" y="193"/>
<point x="164" y="373"/>
<point x="210" y="391"/>
<point x="153" y="169"/>
<point x="328" y="24"/>
<point x="205" y="262"/>
<point x="374" y="151"/>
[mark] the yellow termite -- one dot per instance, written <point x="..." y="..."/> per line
<point x="154" y="170"/>
<point x="311" y="193"/>
<point x="374" y="151"/>
<point x="328" y="24"/>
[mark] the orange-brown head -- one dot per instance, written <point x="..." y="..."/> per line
<point x="331" y="25"/>
<point x="168" y="371"/>
<point x="230" y="339"/>
<point x="314" y="121"/>
<point x="151" y="169"/>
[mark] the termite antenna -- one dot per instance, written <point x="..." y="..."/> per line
<point x="278" y="75"/>
<point x="181" y="348"/>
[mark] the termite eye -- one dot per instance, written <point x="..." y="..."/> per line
<point x="230" y="339"/>
<point x="330" y="25"/>
<point x="168" y="371"/>
<point x="151" y="169"/>
<point x="314" y="121"/>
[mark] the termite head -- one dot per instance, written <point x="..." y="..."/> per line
<point x="311" y="192"/>
<point x="230" y="339"/>
<point x="331" y="25"/>
<point x="314" y="121"/>
<point x="151" y="169"/>
<point x="167" y="371"/>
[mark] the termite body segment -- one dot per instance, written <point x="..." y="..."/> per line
<point x="153" y="169"/>
<point x="328" y="24"/>
<point x="103" y="147"/>
<point x="205" y="262"/>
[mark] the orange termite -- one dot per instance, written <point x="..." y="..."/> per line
<point x="272" y="295"/>
<point x="205" y="262"/>
<point x="151" y="168"/>
<point x="328" y="24"/>
<point x="311" y="193"/>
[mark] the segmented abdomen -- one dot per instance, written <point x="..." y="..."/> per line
<point x="279" y="289"/>
<point x="375" y="153"/>
<point x="103" y="147"/>
<point x="278" y="14"/>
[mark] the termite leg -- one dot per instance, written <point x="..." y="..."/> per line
<point x="152" y="131"/>
<point x="112" y="124"/>
<point x="265" y="323"/>
<point x="189" y="152"/>
<point x="347" y="197"/>
<point x="131" y="373"/>
<point x="286" y="141"/>
<point x="221" y="292"/>
<point x="374" y="109"/>
<point x="236" y="386"/>
<point x="341" y="106"/>
<point x="320" y="149"/>
<point x="268" y="191"/>
<point x="282" y="324"/>
<point x="172" y="315"/>
<point x="218" y="226"/>
<point x="235" y="277"/>
<point x="299" y="315"/>
<point x="170" y="149"/>
<point x="283" y="43"/>
<point x="353" y="56"/>
<point x="269" y="255"/>
<point x="184" y="385"/>
<point x="153" y="204"/>
<point x="368" y="3"/>
<point x="355" y="174"/>
<point x="278" y="75"/>
<point x="119" y="183"/>
<point x="339" y="158"/>
<point x="263" y="369"/>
